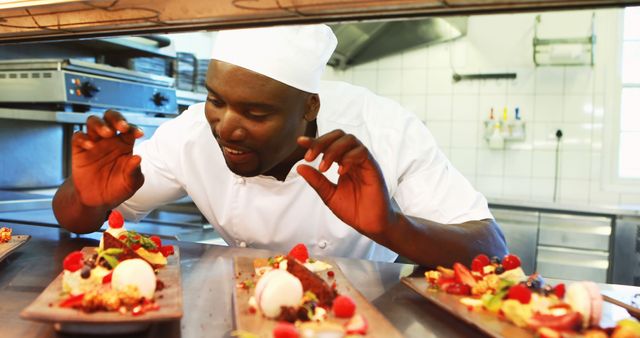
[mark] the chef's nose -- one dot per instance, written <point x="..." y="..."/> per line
<point x="230" y="126"/>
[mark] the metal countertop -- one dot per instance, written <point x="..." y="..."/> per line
<point x="207" y="279"/>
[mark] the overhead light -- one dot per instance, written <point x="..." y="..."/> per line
<point x="4" y="4"/>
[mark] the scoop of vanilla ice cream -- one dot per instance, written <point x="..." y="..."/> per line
<point x="134" y="272"/>
<point x="277" y="288"/>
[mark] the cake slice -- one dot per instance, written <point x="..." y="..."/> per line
<point x="312" y="282"/>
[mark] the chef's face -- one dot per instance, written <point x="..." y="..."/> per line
<point x="255" y="119"/>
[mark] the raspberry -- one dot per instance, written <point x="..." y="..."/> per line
<point x="478" y="263"/>
<point x="156" y="240"/>
<point x="559" y="290"/>
<point x="510" y="262"/>
<point x="521" y="293"/>
<point x="458" y="289"/>
<point x="167" y="250"/>
<point x="74" y="261"/>
<point x="116" y="220"/>
<point x="285" y="330"/>
<point x="300" y="252"/>
<point x="344" y="307"/>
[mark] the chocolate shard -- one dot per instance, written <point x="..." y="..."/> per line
<point x="312" y="282"/>
<point x="111" y="242"/>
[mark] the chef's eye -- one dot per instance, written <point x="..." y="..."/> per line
<point x="216" y="102"/>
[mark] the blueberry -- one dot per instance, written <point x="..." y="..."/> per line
<point x="535" y="282"/>
<point x="85" y="272"/>
<point x="495" y="260"/>
<point x="499" y="269"/>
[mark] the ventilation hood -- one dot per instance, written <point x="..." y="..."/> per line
<point x="366" y="41"/>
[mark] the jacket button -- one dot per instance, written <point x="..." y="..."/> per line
<point x="242" y="244"/>
<point x="322" y="244"/>
<point x="240" y="180"/>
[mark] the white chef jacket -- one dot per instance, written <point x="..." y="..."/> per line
<point x="183" y="158"/>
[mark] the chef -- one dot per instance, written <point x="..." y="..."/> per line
<point x="276" y="156"/>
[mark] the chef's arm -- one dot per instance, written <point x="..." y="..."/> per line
<point x="72" y="214"/>
<point x="431" y="244"/>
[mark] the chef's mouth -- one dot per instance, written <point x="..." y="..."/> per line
<point x="237" y="155"/>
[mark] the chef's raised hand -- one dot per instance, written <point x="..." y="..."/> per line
<point x="360" y="197"/>
<point x="104" y="170"/>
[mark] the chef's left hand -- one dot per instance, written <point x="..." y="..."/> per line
<point x="360" y="197"/>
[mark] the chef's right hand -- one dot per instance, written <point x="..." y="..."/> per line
<point x="105" y="172"/>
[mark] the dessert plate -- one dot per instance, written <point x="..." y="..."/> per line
<point x="45" y="308"/>
<point x="484" y="321"/>
<point x="14" y="243"/>
<point x="378" y="325"/>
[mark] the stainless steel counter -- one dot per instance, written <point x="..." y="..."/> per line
<point x="207" y="278"/>
<point x="599" y="209"/>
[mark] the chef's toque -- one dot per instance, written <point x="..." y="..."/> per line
<point x="294" y="55"/>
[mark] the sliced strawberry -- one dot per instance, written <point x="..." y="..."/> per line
<point x="155" y="239"/>
<point x="559" y="290"/>
<point x="479" y="262"/>
<point x="107" y="278"/>
<point x="73" y="301"/>
<point x="443" y="282"/>
<point x="521" y="293"/>
<point x="74" y="261"/>
<point x="285" y="330"/>
<point x="357" y="325"/>
<point x="344" y="307"/>
<point x="510" y="262"/>
<point x="116" y="220"/>
<point x="571" y="321"/>
<point x="300" y="252"/>
<point x="463" y="275"/>
<point x="167" y="250"/>
<point x="458" y="289"/>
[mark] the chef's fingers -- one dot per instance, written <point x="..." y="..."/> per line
<point x="355" y="156"/>
<point x="317" y="146"/>
<point x="116" y="121"/>
<point x="336" y="150"/>
<point x="318" y="182"/>
<point x="98" y="129"/>
<point x="80" y="141"/>
<point x="133" y="133"/>
<point x="133" y="173"/>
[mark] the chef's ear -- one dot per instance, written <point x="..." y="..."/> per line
<point x="312" y="107"/>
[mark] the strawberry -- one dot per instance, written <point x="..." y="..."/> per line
<point x="463" y="275"/>
<point x="300" y="252"/>
<point x="343" y="307"/>
<point x="107" y="278"/>
<point x="155" y="239"/>
<point x="74" y="261"/>
<point x="167" y="250"/>
<point x="444" y="282"/>
<point x="73" y="301"/>
<point x="559" y="290"/>
<point x="510" y="262"/>
<point x="479" y="262"/>
<point x="285" y="330"/>
<point x="116" y="220"/>
<point x="357" y="325"/>
<point x="521" y="293"/>
<point x="458" y="289"/>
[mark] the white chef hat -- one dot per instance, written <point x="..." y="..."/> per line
<point x="294" y="55"/>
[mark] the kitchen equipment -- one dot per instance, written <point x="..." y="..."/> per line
<point x="79" y="86"/>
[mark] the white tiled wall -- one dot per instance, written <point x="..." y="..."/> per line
<point x="550" y="98"/>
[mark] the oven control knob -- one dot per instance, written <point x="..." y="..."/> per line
<point x="88" y="89"/>
<point x="159" y="99"/>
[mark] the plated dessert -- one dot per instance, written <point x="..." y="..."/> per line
<point x="294" y="295"/>
<point x="10" y="242"/>
<point x="500" y="288"/>
<point x="119" y="275"/>
<point x="130" y="279"/>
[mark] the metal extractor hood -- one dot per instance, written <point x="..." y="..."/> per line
<point x="366" y="41"/>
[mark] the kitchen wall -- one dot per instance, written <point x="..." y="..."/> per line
<point x="579" y="100"/>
